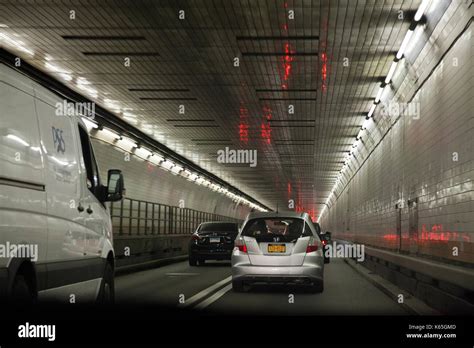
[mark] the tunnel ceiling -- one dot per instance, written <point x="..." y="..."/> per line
<point x="191" y="62"/>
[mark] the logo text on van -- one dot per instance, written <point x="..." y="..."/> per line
<point x="58" y="140"/>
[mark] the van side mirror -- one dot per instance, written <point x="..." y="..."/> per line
<point x="115" y="185"/>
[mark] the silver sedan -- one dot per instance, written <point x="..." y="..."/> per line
<point x="283" y="248"/>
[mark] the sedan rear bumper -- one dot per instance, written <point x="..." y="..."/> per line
<point x="211" y="255"/>
<point x="278" y="274"/>
<point x="218" y="253"/>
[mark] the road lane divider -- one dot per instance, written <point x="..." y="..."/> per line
<point x="206" y="292"/>
<point x="214" y="297"/>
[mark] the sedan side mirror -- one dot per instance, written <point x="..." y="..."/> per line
<point x="327" y="236"/>
<point x="115" y="185"/>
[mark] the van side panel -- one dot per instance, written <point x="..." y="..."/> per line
<point x="65" y="221"/>
<point x="69" y="271"/>
<point x="22" y="186"/>
<point x="20" y="153"/>
<point x="41" y="189"/>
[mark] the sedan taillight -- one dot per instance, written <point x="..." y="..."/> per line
<point x="240" y="244"/>
<point x="311" y="248"/>
<point x="242" y="248"/>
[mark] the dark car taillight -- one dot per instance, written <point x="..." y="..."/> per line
<point x="196" y="238"/>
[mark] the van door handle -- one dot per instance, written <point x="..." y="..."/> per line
<point x="80" y="208"/>
<point x="89" y="210"/>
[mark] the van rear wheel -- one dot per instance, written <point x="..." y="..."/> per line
<point x="21" y="290"/>
<point x="107" y="287"/>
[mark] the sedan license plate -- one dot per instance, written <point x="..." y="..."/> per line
<point x="214" y="240"/>
<point x="276" y="248"/>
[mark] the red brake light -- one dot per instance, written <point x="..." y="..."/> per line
<point x="195" y="237"/>
<point x="311" y="248"/>
<point x="242" y="248"/>
<point x="240" y="244"/>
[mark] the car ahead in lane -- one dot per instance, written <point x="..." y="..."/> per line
<point x="212" y="241"/>
<point x="280" y="248"/>
<point x="52" y="201"/>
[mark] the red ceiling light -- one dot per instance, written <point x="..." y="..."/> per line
<point x="287" y="68"/>
<point x="266" y="129"/>
<point x="266" y="132"/>
<point x="324" y="70"/>
<point x="244" y="132"/>
<point x="243" y="125"/>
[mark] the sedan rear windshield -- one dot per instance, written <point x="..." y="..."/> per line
<point x="218" y="227"/>
<point x="287" y="229"/>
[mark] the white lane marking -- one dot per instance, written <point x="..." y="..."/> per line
<point x="182" y="274"/>
<point x="214" y="297"/>
<point x="206" y="292"/>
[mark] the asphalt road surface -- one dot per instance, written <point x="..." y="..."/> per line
<point x="209" y="287"/>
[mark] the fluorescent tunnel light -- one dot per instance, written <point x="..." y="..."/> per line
<point x="405" y="41"/>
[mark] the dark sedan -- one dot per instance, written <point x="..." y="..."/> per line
<point x="212" y="241"/>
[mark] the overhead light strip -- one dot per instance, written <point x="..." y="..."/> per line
<point x="107" y="128"/>
<point x="103" y="37"/>
<point x="160" y="160"/>
<point x="278" y="54"/>
<point x="276" y="38"/>
<point x="122" y="54"/>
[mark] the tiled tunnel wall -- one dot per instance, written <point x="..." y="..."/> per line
<point x="412" y="186"/>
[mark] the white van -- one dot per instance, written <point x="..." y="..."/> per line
<point x="55" y="230"/>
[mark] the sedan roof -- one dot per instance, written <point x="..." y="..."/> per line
<point x="288" y="214"/>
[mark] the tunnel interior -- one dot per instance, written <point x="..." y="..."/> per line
<point x="355" y="117"/>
